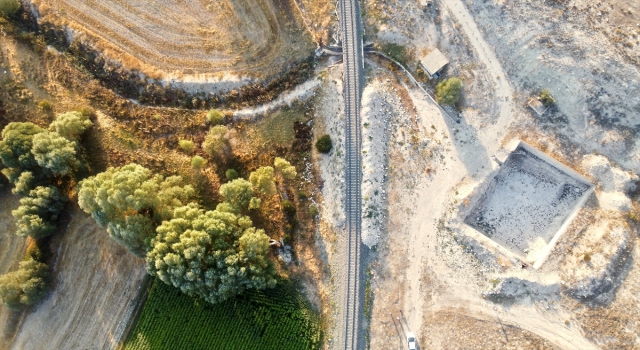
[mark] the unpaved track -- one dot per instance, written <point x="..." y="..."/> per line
<point x="504" y="92"/>
<point x="350" y="316"/>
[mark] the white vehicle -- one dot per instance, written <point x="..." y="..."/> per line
<point x="411" y="340"/>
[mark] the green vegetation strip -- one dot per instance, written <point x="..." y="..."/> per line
<point x="276" y="318"/>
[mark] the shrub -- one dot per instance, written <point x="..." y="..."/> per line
<point x="449" y="91"/>
<point x="546" y="97"/>
<point x="215" y="117"/>
<point x="25" y="286"/>
<point x="313" y="211"/>
<point x="216" y="142"/>
<point x="263" y="180"/>
<point x="397" y="52"/>
<point x="284" y="169"/>
<point x="71" y="125"/>
<point x="187" y="146"/>
<point x="198" y="162"/>
<point x="9" y="7"/>
<point x="45" y="105"/>
<point x="324" y="144"/>
<point x="288" y="207"/>
<point x="231" y="174"/>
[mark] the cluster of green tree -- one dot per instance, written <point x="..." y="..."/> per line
<point x="214" y="254"/>
<point x="35" y="159"/>
<point x="25" y="286"/>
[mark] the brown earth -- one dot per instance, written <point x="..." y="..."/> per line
<point x="173" y="39"/>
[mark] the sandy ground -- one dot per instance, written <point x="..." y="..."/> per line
<point x="198" y="45"/>
<point x="429" y="275"/>
<point x="95" y="285"/>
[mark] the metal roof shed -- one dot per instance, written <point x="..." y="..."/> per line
<point x="434" y="62"/>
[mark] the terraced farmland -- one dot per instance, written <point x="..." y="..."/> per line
<point x="278" y="319"/>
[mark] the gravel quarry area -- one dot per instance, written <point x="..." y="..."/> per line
<point x="527" y="203"/>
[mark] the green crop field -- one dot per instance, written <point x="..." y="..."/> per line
<point x="277" y="318"/>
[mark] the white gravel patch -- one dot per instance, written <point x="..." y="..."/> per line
<point x="378" y="106"/>
<point x="331" y="118"/>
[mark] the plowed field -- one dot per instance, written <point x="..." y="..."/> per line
<point x="188" y="39"/>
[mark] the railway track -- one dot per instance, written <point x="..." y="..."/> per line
<point x="353" y="69"/>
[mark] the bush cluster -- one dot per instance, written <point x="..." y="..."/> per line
<point x="547" y="98"/>
<point x="324" y="144"/>
<point x="9" y="7"/>
<point x="449" y="91"/>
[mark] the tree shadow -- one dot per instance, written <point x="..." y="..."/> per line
<point x="469" y="149"/>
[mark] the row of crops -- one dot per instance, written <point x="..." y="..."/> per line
<point x="277" y="318"/>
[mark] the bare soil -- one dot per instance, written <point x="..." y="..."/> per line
<point x="96" y="283"/>
<point x="195" y="42"/>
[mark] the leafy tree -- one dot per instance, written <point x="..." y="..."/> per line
<point x="25" y="183"/>
<point x="187" y="146"/>
<point x="38" y="213"/>
<point x="449" y="91"/>
<point x="71" y="125"/>
<point x="25" y="286"/>
<point x="237" y="193"/>
<point x="231" y="174"/>
<point x="216" y="143"/>
<point x="198" y="162"/>
<point x="263" y="180"/>
<point x="215" y="117"/>
<point x="9" y="7"/>
<point x="285" y="169"/>
<point x="129" y="201"/>
<point x="55" y="153"/>
<point x="214" y="255"/>
<point x="546" y="97"/>
<point x="15" y="148"/>
<point x="324" y="144"/>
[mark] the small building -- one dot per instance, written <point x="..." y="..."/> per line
<point x="433" y="63"/>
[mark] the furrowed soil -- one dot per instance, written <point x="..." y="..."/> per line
<point x="196" y="41"/>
